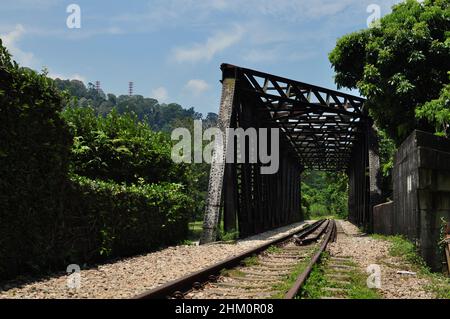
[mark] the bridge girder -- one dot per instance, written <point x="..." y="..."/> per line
<point x="320" y="129"/>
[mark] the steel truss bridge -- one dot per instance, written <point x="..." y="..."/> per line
<point x="319" y="128"/>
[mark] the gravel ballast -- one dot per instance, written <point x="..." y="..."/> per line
<point x="132" y="276"/>
<point x="365" y="251"/>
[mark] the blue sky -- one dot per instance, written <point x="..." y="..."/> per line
<point x="172" y="49"/>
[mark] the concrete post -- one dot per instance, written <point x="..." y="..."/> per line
<point x="213" y="201"/>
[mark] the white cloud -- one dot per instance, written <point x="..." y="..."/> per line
<point x="213" y="45"/>
<point x="10" y="41"/>
<point x="261" y="55"/>
<point x="197" y="87"/>
<point x="160" y="94"/>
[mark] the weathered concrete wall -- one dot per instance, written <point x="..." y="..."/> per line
<point x="382" y="218"/>
<point x="405" y="179"/>
<point x="433" y="196"/>
<point x="421" y="180"/>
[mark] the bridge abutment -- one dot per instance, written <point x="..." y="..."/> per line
<point x="421" y="180"/>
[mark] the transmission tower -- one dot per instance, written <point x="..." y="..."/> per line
<point x="130" y="88"/>
<point x="97" y="86"/>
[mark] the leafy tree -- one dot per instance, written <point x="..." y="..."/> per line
<point x="34" y="151"/>
<point x="160" y="117"/>
<point x="438" y="112"/>
<point x="400" y="66"/>
<point x="199" y="171"/>
<point x="121" y="148"/>
<point x="136" y="200"/>
<point x="325" y="193"/>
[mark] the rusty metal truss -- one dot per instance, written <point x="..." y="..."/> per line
<point x="321" y="125"/>
<point x="320" y="129"/>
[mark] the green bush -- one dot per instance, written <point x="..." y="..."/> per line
<point x="50" y="218"/>
<point x="120" y="148"/>
<point x="34" y="153"/>
<point x="112" y="220"/>
<point x="324" y="193"/>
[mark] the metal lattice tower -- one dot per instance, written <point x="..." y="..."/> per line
<point x="97" y="86"/>
<point x="130" y="88"/>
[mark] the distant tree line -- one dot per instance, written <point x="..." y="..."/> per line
<point x="324" y="194"/>
<point x="160" y="117"/>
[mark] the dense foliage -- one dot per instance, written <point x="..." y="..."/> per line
<point x="112" y="220"/>
<point x="324" y="194"/>
<point x="34" y="152"/>
<point x="50" y="217"/>
<point x="400" y="66"/>
<point x="160" y="117"/>
<point x="120" y="148"/>
<point x="437" y="112"/>
<point x="96" y="149"/>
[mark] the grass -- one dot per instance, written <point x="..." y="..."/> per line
<point x="406" y="250"/>
<point x="228" y="236"/>
<point x="232" y="273"/>
<point x="195" y="230"/>
<point x="313" y="217"/>
<point x="287" y="284"/>
<point x="251" y="261"/>
<point x="357" y="288"/>
<point x="402" y="247"/>
<point x="274" y="250"/>
<point x="318" y="209"/>
<point x="187" y="242"/>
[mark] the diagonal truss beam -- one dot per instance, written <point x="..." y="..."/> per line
<point x="321" y="125"/>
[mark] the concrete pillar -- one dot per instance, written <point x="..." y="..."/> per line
<point x="213" y="201"/>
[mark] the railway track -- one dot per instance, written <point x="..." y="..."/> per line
<point x="277" y="269"/>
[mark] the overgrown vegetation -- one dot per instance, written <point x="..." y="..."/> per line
<point x="401" y="67"/>
<point x="120" y="148"/>
<point x="232" y="273"/>
<point x="274" y="249"/>
<point x="406" y="250"/>
<point x="437" y="111"/>
<point x="195" y="230"/>
<point x="287" y="284"/>
<point x="324" y="194"/>
<point x="77" y="188"/>
<point x="114" y="220"/>
<point x="356" y="288"/>
<point x="251" y="261"/>
<point x="228" y="236"/>
<point x="159" y="116"/>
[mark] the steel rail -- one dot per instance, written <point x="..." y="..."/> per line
<point x="185" y="284"/>
<point x="296" y="288"/>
